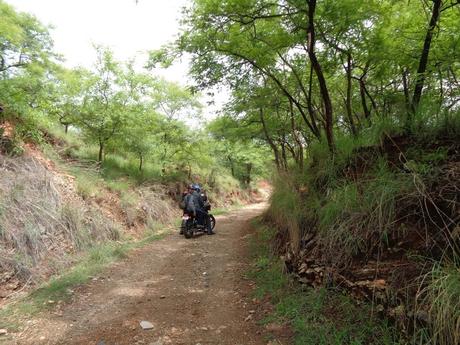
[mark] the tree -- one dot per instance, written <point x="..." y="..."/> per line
<point x="23" y="41"/>
<point x="69" y="89"/>
<point x="103" y="115"/>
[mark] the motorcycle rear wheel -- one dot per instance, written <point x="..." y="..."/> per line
<point x="213" y="221"/>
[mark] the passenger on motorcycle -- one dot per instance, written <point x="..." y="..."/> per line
<point x="197" y="205"/>
<point x="186" y="195"/>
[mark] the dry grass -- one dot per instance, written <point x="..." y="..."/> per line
<point x="41" y="218"/>
<point x="440" y="300"/>
<point x="155" y="206"/>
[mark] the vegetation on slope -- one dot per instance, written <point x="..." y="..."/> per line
<point x="358" y="102"/>
<point x="316" y="316"/>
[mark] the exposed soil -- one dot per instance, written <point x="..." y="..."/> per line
<point x="192" y="291"/>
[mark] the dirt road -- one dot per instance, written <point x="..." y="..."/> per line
<point x="192" y="291"/>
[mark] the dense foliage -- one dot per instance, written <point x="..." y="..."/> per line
<point x="120" y="111"/>
<point x="304" y="71"/>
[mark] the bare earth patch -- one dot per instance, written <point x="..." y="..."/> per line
<point x="191" y="291"/>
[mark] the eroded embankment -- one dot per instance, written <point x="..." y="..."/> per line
<point x="382" y="224"/>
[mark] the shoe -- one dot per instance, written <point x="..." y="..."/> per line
<point x="211" y="233"/>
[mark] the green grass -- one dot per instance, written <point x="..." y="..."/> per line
<point x="88" y="185"/>
<point x="221" y="211"/>
<point x="317" y="316"/>
<point x="440" y="299"/>
<point x="358" y="216"/>
<point x="58" y="287"/>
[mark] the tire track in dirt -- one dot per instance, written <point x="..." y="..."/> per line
<point x="192" y="291"/>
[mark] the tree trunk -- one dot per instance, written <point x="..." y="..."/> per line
<point x="66" y="128"/>
<point x="362" y="92"/>
<point x="311" y="38"/>
<point x="423" y="62"/>
<point x="101" y="151"/>
<point x="248" y="173"/>
<point x="441" y="90"/>
<point x="311" y="109"/>
<point x="232" y="166"/>
<point x="270" y="140"/>
<point x="141" y="161"/>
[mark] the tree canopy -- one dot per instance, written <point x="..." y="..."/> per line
<point x="308" y="70"/>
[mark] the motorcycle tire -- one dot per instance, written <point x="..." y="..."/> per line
<point x="213" y="221"/>
<point x="188" y="231"/>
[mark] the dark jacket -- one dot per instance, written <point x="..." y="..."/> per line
<point x="195" y="202"/>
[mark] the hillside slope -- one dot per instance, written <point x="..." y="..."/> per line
<point x="380" y="223"/>
<point x="46" y="222"/>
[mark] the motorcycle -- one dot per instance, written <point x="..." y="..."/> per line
<point x="190" y="226"/>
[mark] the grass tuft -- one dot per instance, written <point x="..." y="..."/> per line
<point x="441" y="300"/>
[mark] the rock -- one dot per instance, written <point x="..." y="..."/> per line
<point x="3" y="332"/>
<point x="101" y="342"/>
<point x="42" y="338"/>
<point x="248" y="318"/>
<point x="205" y="273"/>
<point x="146" y="325"/>
<point x="162" y="296"/>
<point x="204" y="328"/>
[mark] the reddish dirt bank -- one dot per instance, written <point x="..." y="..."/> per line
<point x="192" y="291"/>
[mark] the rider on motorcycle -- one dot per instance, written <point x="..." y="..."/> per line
<point x="197" y="205"/>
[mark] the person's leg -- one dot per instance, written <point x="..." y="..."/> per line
<point x="200" y="217"/>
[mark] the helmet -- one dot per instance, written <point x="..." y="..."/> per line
<point x="196" y="187"/>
